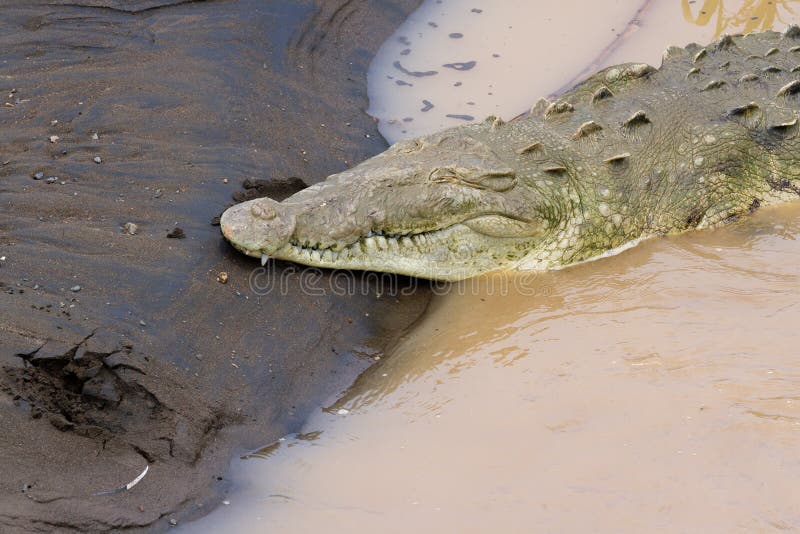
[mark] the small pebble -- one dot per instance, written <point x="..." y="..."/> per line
<point x="75" y="289"/>
<point x="226" y="503"/>
<point x="95" y="137"/>
<point x="38" y="176"/>
<point x="142" y="322"/>
<point x="342" y="411"/>
<point x="54" y="138"/>
<point x="222" y="277"/>
<point x="130" y="228"/>
<point x="176" y="233"/>
<point x="173" y="522"/>
<point x="224" y="180"/>
<point x="52" y="180"/>
<point x="53" y="122"/>
<point x="97" y="159"/>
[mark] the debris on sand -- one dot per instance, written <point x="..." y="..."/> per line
<point x="130" y="228"/>
<point x="127" y="486"/>
<point x="222" y="277"/>
<point x="176" y="233"/>
<point x="54" y="138"/>
<point x="98" y="159"/>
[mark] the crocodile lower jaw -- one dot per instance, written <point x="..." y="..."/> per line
<point x="443" y="254"/>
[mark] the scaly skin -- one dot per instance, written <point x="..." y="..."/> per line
<point x="632" y="152"/>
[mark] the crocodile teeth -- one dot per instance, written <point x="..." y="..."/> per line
<point x="264" y="259"/>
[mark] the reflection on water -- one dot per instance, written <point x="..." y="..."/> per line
<point x="745" y="17"/>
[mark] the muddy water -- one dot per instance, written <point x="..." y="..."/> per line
<point x="457" y="61"/>
<point x="657" y="390"/>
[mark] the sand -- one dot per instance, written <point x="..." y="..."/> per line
<point x="119" y="351"/>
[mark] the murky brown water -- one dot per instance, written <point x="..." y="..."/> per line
<point x="657" y="390"/>
<point x="457" y="61"/>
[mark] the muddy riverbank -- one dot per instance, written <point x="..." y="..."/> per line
<point x="119" y="346"/>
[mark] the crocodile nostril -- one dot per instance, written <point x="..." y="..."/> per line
<point x="263" y="212"/>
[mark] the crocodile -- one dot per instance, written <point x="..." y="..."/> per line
<point x="632" y="152"/>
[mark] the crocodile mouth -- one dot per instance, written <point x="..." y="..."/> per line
<point x="375" y="241"/>
<point x="442" y="253"/>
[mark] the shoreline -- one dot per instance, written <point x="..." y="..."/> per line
<point x="118" y="349"/>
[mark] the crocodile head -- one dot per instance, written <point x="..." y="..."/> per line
<point x="441" y="207"/>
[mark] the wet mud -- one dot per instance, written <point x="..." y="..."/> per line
<point x="120" y="123"/>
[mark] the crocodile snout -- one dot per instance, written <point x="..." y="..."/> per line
<point x="258" y="227"/>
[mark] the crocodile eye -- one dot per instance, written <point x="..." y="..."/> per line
<point x="496" y="181"/>
<point x="499" y="182"/>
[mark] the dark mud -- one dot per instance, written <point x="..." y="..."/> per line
<point x="120" y="350"/>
